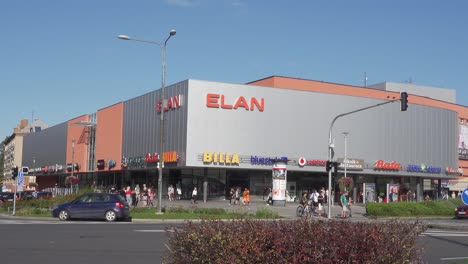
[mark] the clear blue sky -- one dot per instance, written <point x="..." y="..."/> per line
<point x="61" y="59"/>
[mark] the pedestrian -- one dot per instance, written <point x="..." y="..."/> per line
<point x="179" y="192"/>
<point x="128" y="195"/>
<point x="151" y="197"/>
<point x="270" y="197"/>
<point x="314" y="197"/>
<point x="350" y="202"/>
<point x="246" y="196"/>
<point x="320" y="202"/>
<point x="231" y="196"/>
<point x="137" y="195"/>
<point x="237" y="196"/>
<point x="344" y="204"/>
<point x="194" y="195"/>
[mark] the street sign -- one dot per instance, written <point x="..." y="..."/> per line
<point x="20" y="178"/>
<point x="465" y="196"/>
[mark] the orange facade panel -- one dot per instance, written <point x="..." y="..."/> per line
<point x="109" y="132"/>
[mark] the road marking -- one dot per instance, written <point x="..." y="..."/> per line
<point x="444" y="233"/>
<point x="454" y="258"/>
<point x="151" y="231"/>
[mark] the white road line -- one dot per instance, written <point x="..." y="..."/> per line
<point x="151" y="231"/>
<point x="454" y="258"/>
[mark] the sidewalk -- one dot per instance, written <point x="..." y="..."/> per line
<point x="288" y="212"/>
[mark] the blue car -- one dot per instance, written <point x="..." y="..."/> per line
<point x="108" y="206"/>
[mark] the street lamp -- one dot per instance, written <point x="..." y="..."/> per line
<point x="73" y="166"/>
<point x="161" y="124"/>
<point x="345" y="162"/>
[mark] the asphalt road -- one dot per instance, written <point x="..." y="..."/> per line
<point x="29" y="240"/>
<point x="33" y="241"/>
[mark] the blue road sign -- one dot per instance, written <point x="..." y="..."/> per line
<point x="20" y="178"/>
<point x="465" y="196"/>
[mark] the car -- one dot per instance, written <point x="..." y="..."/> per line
<point x="7" y="196"/>
<point x="44" y="195"/>
<point x="108" y="206"/>
<point x="461" y="211"/>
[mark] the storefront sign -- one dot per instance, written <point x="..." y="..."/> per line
<point x="449" y="170"/>
<point x="135" y="162"/>
<point x="463" y="154"/>
<point x="255" y="160"/>
<point x="219" y="101"/>
<point x="170" y="157"/>
<point x="305" y="162"/>
<point x="423" y="168"/>
<point x="221" y="158"/>
<point x="151" y="157"/>
<point x="111" y="164"/>
<point x="173" y="102"/>
<point x="388" y="166"/>
<point x="351" y="164"/>
<point x="101" y="164"/>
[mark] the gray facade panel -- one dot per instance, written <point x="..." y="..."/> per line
<point x="141" y="125"/>
<point x="48" y="147"/>
<point x="296" y="124"/>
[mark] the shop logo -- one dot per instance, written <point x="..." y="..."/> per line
<point x="151" y="157"/>
<point x="255" y="160"/>
<point x="173" y="102"/>
<point x="219" y="101"/>
<point x="424" y="168"/>
<point x="303" y="162"/>
<point x="388" y="166"/>
<point x="221" y="158"/>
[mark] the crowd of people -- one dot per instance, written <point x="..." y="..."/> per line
<point x="238" y="197"/>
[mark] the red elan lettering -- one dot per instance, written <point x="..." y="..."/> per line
<point x="220" y="101"/>
<point x="224" y="105"/>
<point x="212" y="100"/>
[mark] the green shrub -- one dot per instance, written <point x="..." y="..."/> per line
<point x="408" y="209"/>
<point x="300" y="241"/>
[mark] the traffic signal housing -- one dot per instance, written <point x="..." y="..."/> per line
<point x="404" y="101"/>
<point x="15" y="173"/>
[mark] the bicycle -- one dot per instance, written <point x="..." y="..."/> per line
<point x="301" y="210"/>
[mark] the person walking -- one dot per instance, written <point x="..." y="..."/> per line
<point x="246" y="196"/>
<point x="231" y="196"/>
<point x="344" y="204"/>
<point x="151" y="197"/>
<point x="128" y="195"/>
<point x="194" y="195"/>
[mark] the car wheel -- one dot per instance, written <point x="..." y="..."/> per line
<point x="63" y="215"/>
<point x="111" y="216"/>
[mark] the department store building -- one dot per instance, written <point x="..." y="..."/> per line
<point x="223" y="135"/>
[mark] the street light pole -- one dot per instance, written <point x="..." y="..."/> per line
<point x="345" y="161"/>
<point x="163" y="105"/>
<point x="73" y="166"/>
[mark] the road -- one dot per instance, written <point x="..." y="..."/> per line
<point x="26" y="240"/>
<point x="36" y="241"/>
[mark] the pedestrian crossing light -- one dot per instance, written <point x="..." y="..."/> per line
<point x="404" y="101"/>
<point x="15" y="173"/>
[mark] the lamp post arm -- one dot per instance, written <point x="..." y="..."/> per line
<point x="330" y="149"/>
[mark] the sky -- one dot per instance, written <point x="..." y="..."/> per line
<point x="61" y="59"/>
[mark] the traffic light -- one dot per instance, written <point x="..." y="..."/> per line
<point x="404" y="101"/>
<point x="328" y="166"/>
<point x="15" y="172"/>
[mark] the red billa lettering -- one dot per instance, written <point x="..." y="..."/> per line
<point x="381" y="165"/>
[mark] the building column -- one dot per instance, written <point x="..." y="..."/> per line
<point x="419" y="189"/>
<point x="205" y="185"/>
<point x="439" y="189"/>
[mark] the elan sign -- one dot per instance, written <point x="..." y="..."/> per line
<point x="220" y="101"/>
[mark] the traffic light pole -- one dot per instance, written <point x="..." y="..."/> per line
<point x="331" y="146"/>
<point x="14" y="196"/>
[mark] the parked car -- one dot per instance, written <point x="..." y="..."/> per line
<point x="6" y="196"/>
<point x="108" y="206"/>
<point x="44" y="195"/>
<point x="461" y="211"/>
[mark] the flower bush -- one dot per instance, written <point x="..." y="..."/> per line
<point x="346" y="183"/>
<point x="72" y="179"/>
<point x="301" y="241"/>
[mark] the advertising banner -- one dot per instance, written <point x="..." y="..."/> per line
<point x="278" y="191"/>
<point x="392" y="192"/>
<point x="369" y="192"/>
<point x="463" y="142"/>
